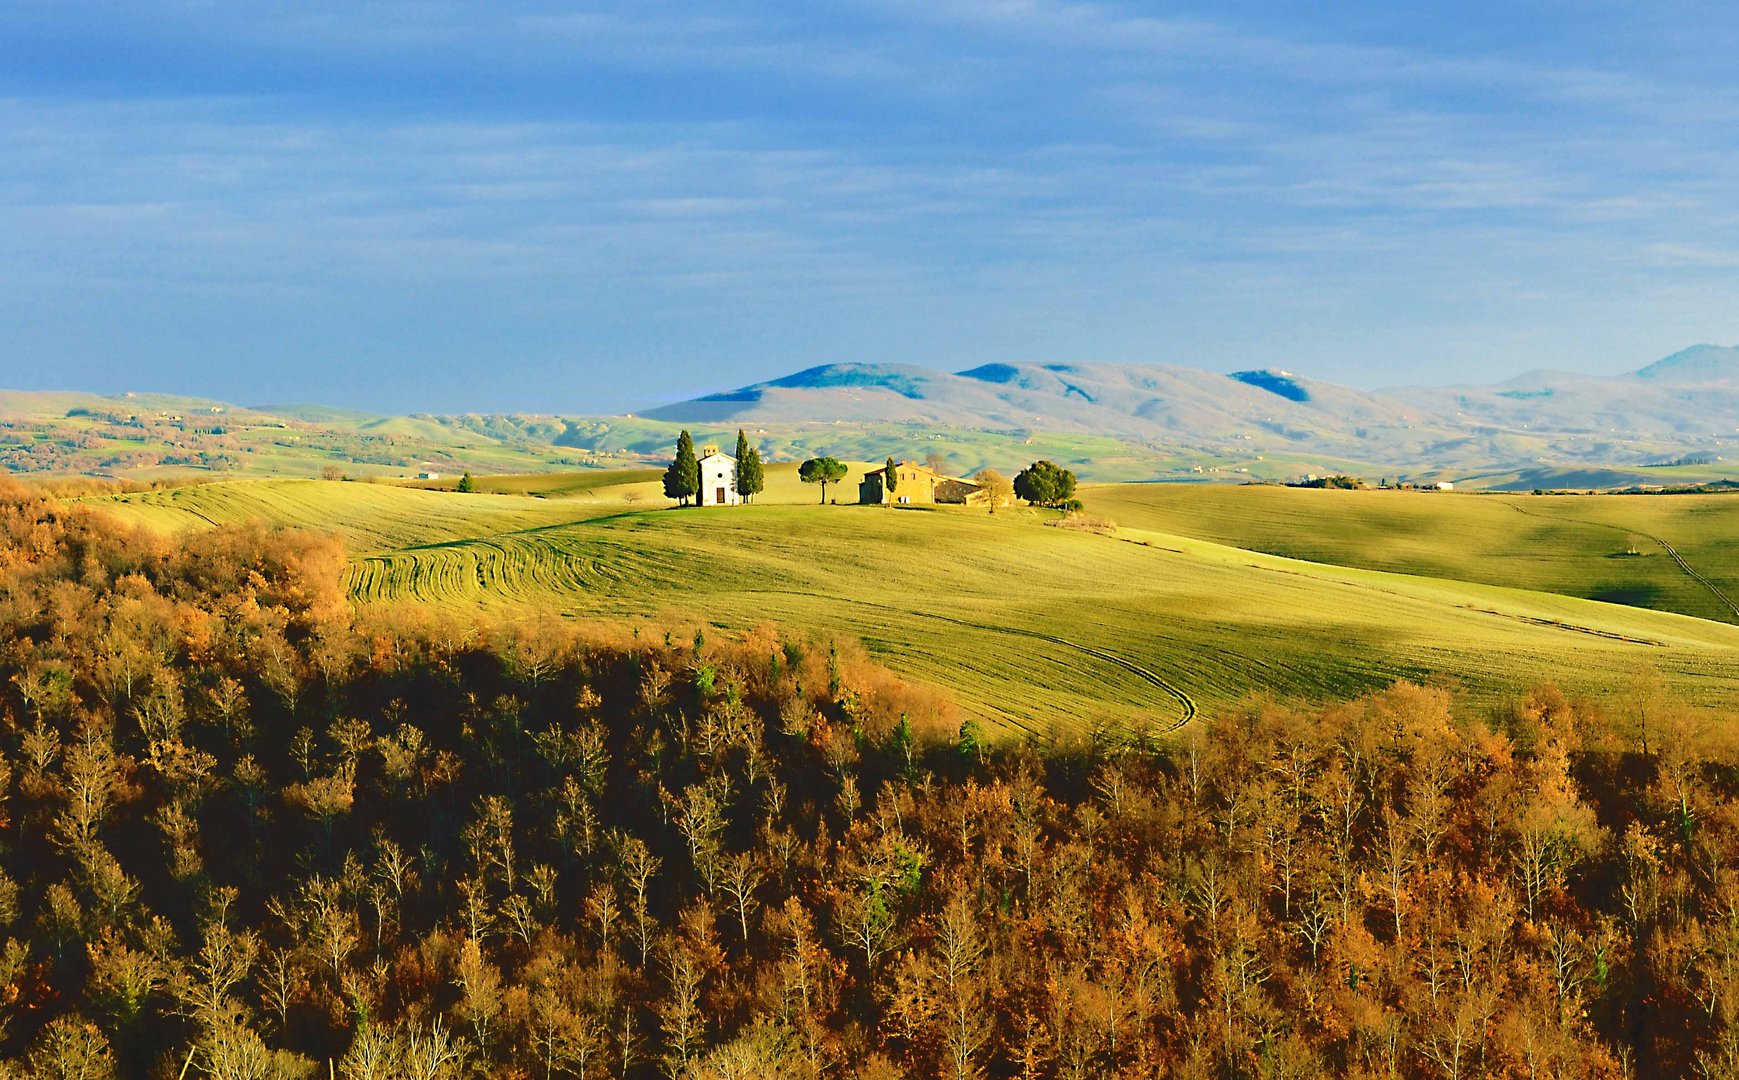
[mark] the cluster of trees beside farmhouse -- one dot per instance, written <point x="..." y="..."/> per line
<point x="1043" y="483"/>
<point x="249" y="833"/>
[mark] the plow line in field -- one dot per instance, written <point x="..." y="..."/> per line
<point x="1186" y="705"/>
<point x="1673" y="552"/>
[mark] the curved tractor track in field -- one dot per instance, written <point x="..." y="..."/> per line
<point x="1687" y="568"/>
<point x="1678" y="560"/>
<point x="1186" y="705"/>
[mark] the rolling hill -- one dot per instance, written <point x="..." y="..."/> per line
<point x="1612" y="548"/>
<point x="1689" y="399"/>
<point x="1686" y="403"/>
<point x="1151" y="402"/>
<point x="1699" y="364"/>
<point x="1192" y="604"/>
<point x="1667" y="423"/>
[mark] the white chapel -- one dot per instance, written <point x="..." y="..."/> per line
<point x="718" y="479"/>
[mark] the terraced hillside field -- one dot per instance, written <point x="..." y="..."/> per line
<point x="1032" y="627"/>
<point x="1667" y="552"/>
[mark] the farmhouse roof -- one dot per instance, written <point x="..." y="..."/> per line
<point x="921" y="467"/>
<point x="908" y="465"/>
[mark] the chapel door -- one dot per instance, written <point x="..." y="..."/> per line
<point x="721" y="498"/>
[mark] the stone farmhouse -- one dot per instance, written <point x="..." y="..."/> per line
<point x="916" y="483"/>
<point x="718" y="479"/>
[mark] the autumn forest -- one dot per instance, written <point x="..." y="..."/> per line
<point x="250" y="831"/>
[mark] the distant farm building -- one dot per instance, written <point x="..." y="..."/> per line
<point x="427" y="474"/>
<point x="1444" y="485"/>
<point x="718" y="479"/>
<point x="918" y="483"/>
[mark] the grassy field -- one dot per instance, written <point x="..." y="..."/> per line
<point x="1578" y="545"/>
<point x="391" y="515"/>
<point x="1037" y="628"/>
<point x="371" y="517"/>
<point x="557" y="485"/>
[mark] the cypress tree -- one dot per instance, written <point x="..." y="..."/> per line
<point x="890" y="480"/>
<point x="751" y="478"/>
<point x="682" y="479"/>
<point x="757" y="482"/>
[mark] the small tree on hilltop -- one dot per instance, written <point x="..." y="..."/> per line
<point x="751" y="478"/>
<point x="466" y="484"/>
<point x="1045" y="483"/>
<point x="823" y="471"/>
<point x="682" y="479"/>
<point x="891" y="478"/>
<point x="996" y="487"/>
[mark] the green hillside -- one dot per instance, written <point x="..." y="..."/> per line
<point x="389" y="515"/>
<point x="1578" y="545"/>
<point x="371" y="517"/>
<point x="1131" y="631"/>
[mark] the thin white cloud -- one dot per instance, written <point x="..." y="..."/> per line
<point x="1693" y="255"/>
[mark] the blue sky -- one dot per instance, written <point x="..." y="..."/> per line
<point x="599" y="206"/>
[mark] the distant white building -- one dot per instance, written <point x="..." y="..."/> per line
<point x="718" y="479"/>
<point x="427" y="475"/>
<point x="1444" y="485"/>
